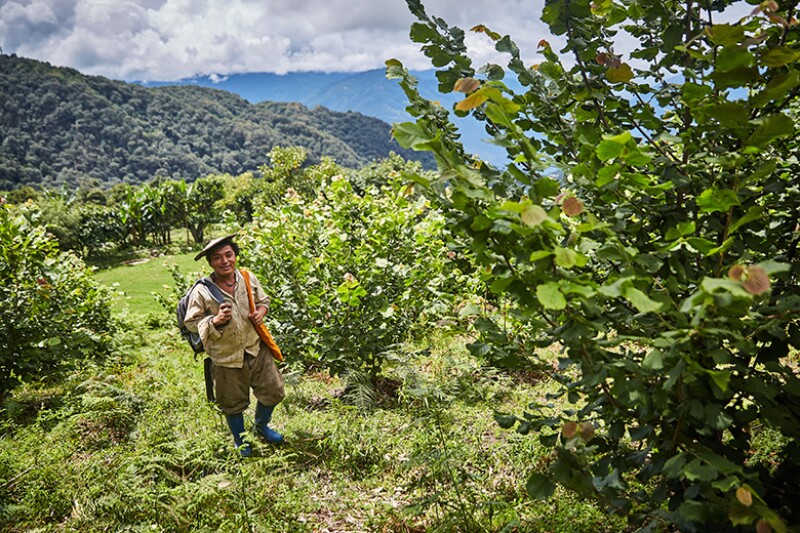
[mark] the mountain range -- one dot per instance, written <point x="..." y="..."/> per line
<point x="59" y="127"/>
<point x="369" y="93"/>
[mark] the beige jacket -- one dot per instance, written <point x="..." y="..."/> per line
<point x="226" y="344"/>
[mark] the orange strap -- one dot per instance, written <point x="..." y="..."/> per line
<point x="262" y="330"/>
<point x="246" y="276"/>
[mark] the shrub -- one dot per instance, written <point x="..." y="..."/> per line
<point x="350" y="276"/>
<point x="52" y="314"/>
<point x="664" y="263"/>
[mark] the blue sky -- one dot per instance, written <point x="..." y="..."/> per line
<point x="173" y="39"/>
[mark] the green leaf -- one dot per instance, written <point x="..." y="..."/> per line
<point x="500" y="284"/>
<point x="546" y="187"/>
<point x="716" y="417"/>
<point x="717" y="285"/>
<point x="505" y="421"/>
<point x="739" y="515"/>
<point x="732" y="57"/>
<point x="651" y="263"/>
<point x="498" y="115"/>
<point x="714" y="199"/>
<point x="775" y="521"/>
<point x="683" y="228"/>
<point x="470" y="309"/>
<point x="620" y="74"/>
<point x="601" y="8"/>
<point x="654" y="360"/>
<point x="696" y="470"/>
<point x="729" y="114"/>
<point x="540" y="254"/>
<point x="704" y="246"/>
<point x="574" y="288"/>
<point x="514" y="207"/>
<point x="550" y="296"/>
<point x="607" y="150"/>
<point x="780" y="56"/>
<point x="553" y="16"/>
<point x="727" y="484"/>
<point x="566" y="257"/>
<point x="778" y="87"/>
<point x="613" y="290"/>
<point x="754" y="213"/>
<point x="771" y="128"/>
<point x="549" y="440"/>
<point x="673" y="467"/>
<point x="621" y="138"/>
<point x="737" y="77"/>
<point x="693" y="511"/>
<point x="421" y="33"/>
<point x="774" y="267"/>
<point x="393" y="63"/>
<point x="607" y="174"/>
<point x="506" y="45"/>
<point x="481" y="222"/>
<point x="725" y="34"/>
<point x="636" y="158"/>
<point x="673" y="36"/>
<point x="533" y="215"/>
<point x="612" y="146"/>
<point x="693" y="93"/>
<point x="540" y="487"/>
<point x="641" y="301"/>
<point x="721" y="378"/>
<point x="719" y="462"/>
<point x="726" y="244"/>
<point x="410" y="135"/>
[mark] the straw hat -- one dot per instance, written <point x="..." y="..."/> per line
<point x="215" y="243"/>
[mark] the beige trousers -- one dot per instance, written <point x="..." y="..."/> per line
<point x="232" y="385"/>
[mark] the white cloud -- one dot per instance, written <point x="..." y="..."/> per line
<point x="171" y="39"/>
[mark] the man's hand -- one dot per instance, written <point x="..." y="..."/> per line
<point x="257" y="316"/>
<point x="224" y="314"/>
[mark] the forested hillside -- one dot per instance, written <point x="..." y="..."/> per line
<point x="62" y="127"/>
<point x="369" y="93"/>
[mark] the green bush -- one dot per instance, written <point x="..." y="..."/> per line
<point x="662" y="262"/>
<point x="52" y="314"/>
<point x="350" y="276"/>
<point x="101" y="232"/>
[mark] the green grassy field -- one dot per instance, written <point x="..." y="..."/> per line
<point x="131" y="444"/>
<point x="136" y="281"/>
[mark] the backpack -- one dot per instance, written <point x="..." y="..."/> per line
<point x="192" y="337"/>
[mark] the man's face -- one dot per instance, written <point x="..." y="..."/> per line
<point x="223" y="261"/>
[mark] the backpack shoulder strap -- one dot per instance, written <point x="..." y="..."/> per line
<point x="213" y="289"/>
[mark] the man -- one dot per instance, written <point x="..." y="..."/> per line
<point x="240" y="360"/>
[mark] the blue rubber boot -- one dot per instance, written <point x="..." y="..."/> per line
<point x="236" y="425"/>
<point x="263" y="418"/>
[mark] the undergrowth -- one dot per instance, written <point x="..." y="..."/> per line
<point x="133" y="445"/>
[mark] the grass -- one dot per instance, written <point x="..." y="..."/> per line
<point x="143" y="272"/>
<point x="135" y="282"/>
<point x="131" y="444"/>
